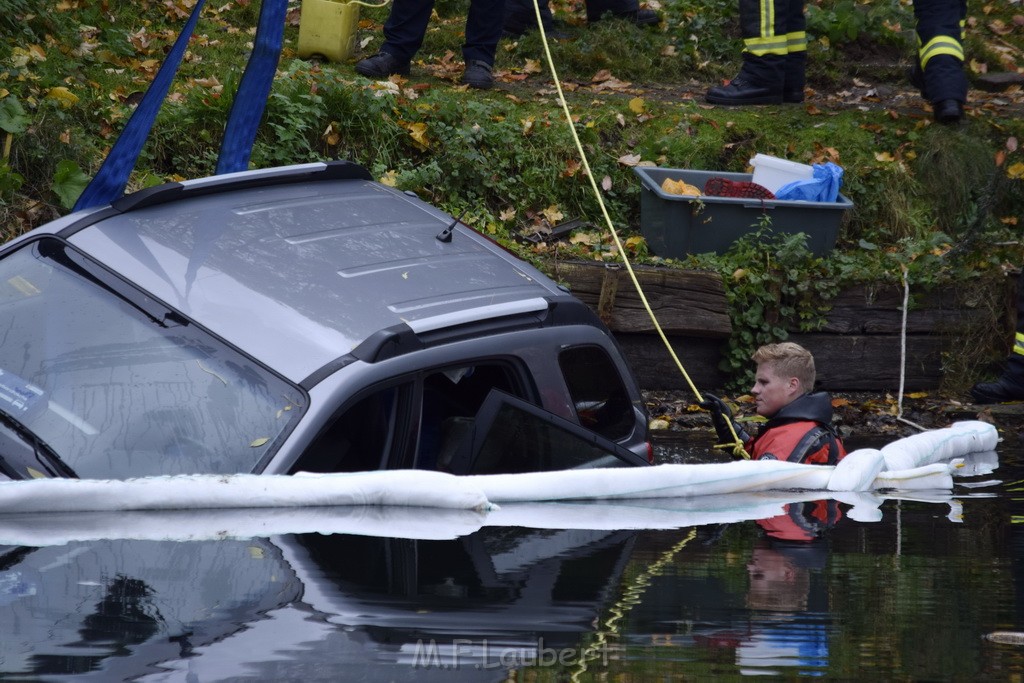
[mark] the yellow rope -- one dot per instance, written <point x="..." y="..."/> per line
<point x="737" y="446"/>
<point x="630" y="598"/>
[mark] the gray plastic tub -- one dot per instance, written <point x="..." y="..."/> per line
<point x="675" y="225"/>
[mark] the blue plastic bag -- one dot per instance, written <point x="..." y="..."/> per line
<point x="822" y="187"/>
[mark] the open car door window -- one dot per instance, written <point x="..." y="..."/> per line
<point x="510" y="436"/>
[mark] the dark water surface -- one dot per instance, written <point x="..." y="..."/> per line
<point x="925" y="587"/>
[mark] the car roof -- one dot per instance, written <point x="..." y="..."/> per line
<point x="298" y="274"/>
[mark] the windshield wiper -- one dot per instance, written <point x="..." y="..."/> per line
<point x="80" y="266"/>
<point x="40" y="448"/>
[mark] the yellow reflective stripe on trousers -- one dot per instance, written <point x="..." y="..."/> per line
<point x="940" y="45"/>
<point x="776" y="45"/>
<point x="767" y="18"/>
<point x="1018" y="343"/>
<point x="796" y="41"/>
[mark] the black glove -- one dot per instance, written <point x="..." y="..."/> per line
<point x="721" y="417"/>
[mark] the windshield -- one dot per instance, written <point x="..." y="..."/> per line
<point x="117" y="385"/>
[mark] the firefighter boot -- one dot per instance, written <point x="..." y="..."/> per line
<point x="1008" y="387"/>
<point x="758" y="82"/>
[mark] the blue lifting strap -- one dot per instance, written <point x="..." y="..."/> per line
<point x="253" y="90"/>
<point x="111" y="179"/>
<point x="243" y="120"/>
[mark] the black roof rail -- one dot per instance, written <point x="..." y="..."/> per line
<point x="400" y="339"/>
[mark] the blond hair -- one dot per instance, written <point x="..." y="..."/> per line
<point x="788" y="360"/>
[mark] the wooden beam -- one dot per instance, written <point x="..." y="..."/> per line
<point x="843" y="362"/>
<point x="689" y="302"/>
<point x="872" y="362"/>
<point x="878" y="309"/>
<point x="858" y="349"/>
<point x="654" y="368"/>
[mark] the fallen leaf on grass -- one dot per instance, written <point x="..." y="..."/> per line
<point x="418" y="133"/>
<point x="999" y="27"/>
<point x="66" y="98"/>
<point x="587" y="238"/>
<point x="552" y="214"/>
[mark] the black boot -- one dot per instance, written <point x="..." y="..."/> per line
<point x="1008" y="387"/>
<point x="948" y="112"/>
<point x="1004" y="389"/>
<point x="741" y="90"/>
<point x="759" y="82"/>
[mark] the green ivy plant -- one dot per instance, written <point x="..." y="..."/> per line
<point x="773" y="284"/>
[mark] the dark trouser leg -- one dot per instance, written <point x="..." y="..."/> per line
<point x="405" y="27"/>
<point x="520" y="16"/>
<point x="597" y="8"/>
<point x="1015" y="363"/>
<point x="1010" y="385"/>
<point x="940" y="25"/>
<point x="764" y="41"/>
<point x="483" y="30"/>
<point x="794" y="68"/>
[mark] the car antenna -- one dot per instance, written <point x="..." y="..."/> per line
<point x="446" y="234"/>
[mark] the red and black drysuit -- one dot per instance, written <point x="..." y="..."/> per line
<point x="800" y="432"/>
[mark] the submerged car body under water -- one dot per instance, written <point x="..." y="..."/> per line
<point x="463" y="608"/>
<point x="302" y="318"/>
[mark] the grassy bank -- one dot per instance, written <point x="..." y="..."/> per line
<point x="944" y="203"/>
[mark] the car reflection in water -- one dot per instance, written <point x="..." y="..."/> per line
<point x="466" y="608"/>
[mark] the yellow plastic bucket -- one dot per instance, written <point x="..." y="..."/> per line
<point x="327" y="28"/>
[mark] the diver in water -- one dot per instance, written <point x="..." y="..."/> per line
<point x="799" y="426"/>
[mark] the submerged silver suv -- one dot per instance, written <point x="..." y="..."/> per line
<point x="302" y="318"/>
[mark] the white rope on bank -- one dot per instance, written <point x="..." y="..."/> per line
<point x="903" y="350"/>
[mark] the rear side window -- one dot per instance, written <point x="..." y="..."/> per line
<point x="597" y="391"/>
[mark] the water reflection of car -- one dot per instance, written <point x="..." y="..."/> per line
<point x="300" y="318"/>
<point x="462" y="609"/>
